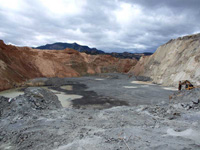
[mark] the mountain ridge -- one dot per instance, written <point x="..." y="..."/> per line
<point x="18" y="64"/>
<point x="91" y="51"/>
<point x="62" y="46"/>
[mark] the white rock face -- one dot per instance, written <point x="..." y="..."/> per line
<point x="178" y="59"/>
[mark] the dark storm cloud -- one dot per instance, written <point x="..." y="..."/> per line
<point x="112" y="25"/>
<point x="187" y="4"/>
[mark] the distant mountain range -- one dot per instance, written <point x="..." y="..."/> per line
<point x="129" y="55"/>
<point x="92" y="51"/>
<point x="80" y="48"/>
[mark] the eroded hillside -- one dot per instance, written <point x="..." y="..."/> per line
<point x="17" y="64"/>
<point x="178" y="59"/>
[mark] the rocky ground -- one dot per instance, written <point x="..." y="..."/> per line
<point x="113" y="114"/>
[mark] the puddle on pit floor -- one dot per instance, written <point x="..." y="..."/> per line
<point x="130" y="87"/>
<point x="99" y="79"/>
<point x="67" y="87"/>
<point x="11" y="93"/>
<point x="65" y="99"/>
<point x="146" y="84"/>
<point x="170" y="88"/>
<point x="142" y="82"/>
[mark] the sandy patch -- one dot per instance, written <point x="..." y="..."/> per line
<point x="170" y="88"/>
<point x="67" y="87"/>
<point x="98" y="79"/>
<point x="130" y="87"/>
<point x="66" y="99"/>
<point x="142" y="82"/>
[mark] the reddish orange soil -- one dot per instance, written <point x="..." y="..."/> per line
<point x="18" y="64"/>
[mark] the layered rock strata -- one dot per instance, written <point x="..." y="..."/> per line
<point x="178" y="59"/>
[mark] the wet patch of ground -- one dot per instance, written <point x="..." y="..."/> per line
<point x="123" y="88"/>
<point x="74" y="94"/>
<point x="90" y="99"/>
<point x="37" y="121"/>
<point x="12" y="93"/>
<point x="104" y="91"/>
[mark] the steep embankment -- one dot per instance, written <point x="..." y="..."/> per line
<point x="17" y="64"/>
<point x="178" y="59"/>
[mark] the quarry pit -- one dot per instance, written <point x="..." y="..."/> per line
<point x="100" y="91"/>
<point x="106" y="111"/>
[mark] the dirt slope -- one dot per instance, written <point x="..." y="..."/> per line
<point x="178" y="59"/>
<point x="17" y="64"/>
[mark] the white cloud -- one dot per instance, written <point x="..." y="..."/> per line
<point x="60" y="8"/>
<point x="2" y="34"/>
<point x="11" y="4"/>
<point x="127" y="13"/>
<point x="113" y="25"/>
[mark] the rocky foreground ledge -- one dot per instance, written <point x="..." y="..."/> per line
<point x="36" y="120"/>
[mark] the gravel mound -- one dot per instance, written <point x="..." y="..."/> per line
<point x="3" y="104"/>
<point x="40" y="98"/>
<point x="187" y="98"/>
<point x="33" y="100"/>
<point x="180" y="103"/>
<point x="186" y="95"/>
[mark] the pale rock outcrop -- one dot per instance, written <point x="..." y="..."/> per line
<point x="178" y="59"/>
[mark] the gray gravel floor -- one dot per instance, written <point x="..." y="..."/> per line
<point x="139" y="126"/>
<point x="112" y="85"/>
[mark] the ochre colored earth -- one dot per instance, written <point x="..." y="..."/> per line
<point x="18" y="64"/>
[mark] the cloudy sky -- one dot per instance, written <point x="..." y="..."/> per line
<point x="109" y="25"/>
